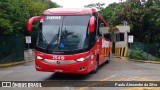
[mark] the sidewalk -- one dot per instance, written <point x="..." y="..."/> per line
<point x="29" y="56"/>
<point x="145" y="61"/>
<point x="134" y="60"/>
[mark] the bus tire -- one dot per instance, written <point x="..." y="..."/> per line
<point x="96" y="67"/>
<point x="109" y="58"/>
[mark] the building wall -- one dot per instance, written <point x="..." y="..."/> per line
<point x="121" y="47"/>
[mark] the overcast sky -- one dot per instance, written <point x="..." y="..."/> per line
<point x="81" y="3"/>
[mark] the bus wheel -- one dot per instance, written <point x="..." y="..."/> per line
<point x="96" y="67"/>
<point x="109" y="58"/>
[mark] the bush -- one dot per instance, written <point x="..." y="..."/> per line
<point x="136" y="54"/>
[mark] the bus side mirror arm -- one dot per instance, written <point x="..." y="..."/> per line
<point x="30" y="22"/>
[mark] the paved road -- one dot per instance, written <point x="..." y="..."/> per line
<point x="116" y="70"/>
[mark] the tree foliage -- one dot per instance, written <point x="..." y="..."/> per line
<point x="143" y="17"/>
<point x="99" y="6"/>
<point x="15" y="13"/>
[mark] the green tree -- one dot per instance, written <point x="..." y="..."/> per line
<point x="15" y="13"/>
<point x="143" y="17"/>
<point x="99" y="6"/>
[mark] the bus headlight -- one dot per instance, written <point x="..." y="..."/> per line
<point x="83" y="58"/>
<point x="39" y="58"/>
<point x="80" y="60"/>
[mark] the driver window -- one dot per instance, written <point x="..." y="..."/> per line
<point x="100" y="24"/>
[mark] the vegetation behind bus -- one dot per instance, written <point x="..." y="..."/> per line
<point x="144" y="19"/>
<point x="13" y="18"/>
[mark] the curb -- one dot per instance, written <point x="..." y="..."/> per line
<point x="14" y="63"/>
<point x="143" y="61"/>
<point x="124" y="58"/>
<point x="153" y="62"/>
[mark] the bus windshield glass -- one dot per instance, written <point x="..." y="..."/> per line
<point x="64" y="33"/>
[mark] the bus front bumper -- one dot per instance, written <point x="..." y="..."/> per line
<point x="64" y="66"/>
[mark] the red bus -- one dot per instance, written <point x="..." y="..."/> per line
<point x="71" y="40"/>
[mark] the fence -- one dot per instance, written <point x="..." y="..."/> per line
<point x="149" y="51"/>
<point x="11" y="48"/>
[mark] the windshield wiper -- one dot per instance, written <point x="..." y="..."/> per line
<point x="54" y="39"/>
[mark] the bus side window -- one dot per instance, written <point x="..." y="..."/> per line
<point x="108" y="36"/>
<point x="102" y="25"/>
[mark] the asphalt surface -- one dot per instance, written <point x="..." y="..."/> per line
<point x="117" y="70"/>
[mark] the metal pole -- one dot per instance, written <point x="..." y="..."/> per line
<point x="28" y="52"/>
<point x="28" y="46"/>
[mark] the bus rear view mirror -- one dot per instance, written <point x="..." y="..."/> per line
<point x="31" y="20"/>
<point x="92" y="24"/>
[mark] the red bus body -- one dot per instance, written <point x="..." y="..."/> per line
<point x="78" y="63"/>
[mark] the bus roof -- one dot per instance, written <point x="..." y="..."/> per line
<point x="70" y="11"/>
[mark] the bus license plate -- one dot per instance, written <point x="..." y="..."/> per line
<point x="58" y="70"/>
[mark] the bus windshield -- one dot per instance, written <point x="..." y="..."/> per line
<point x="64" y="33"/>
